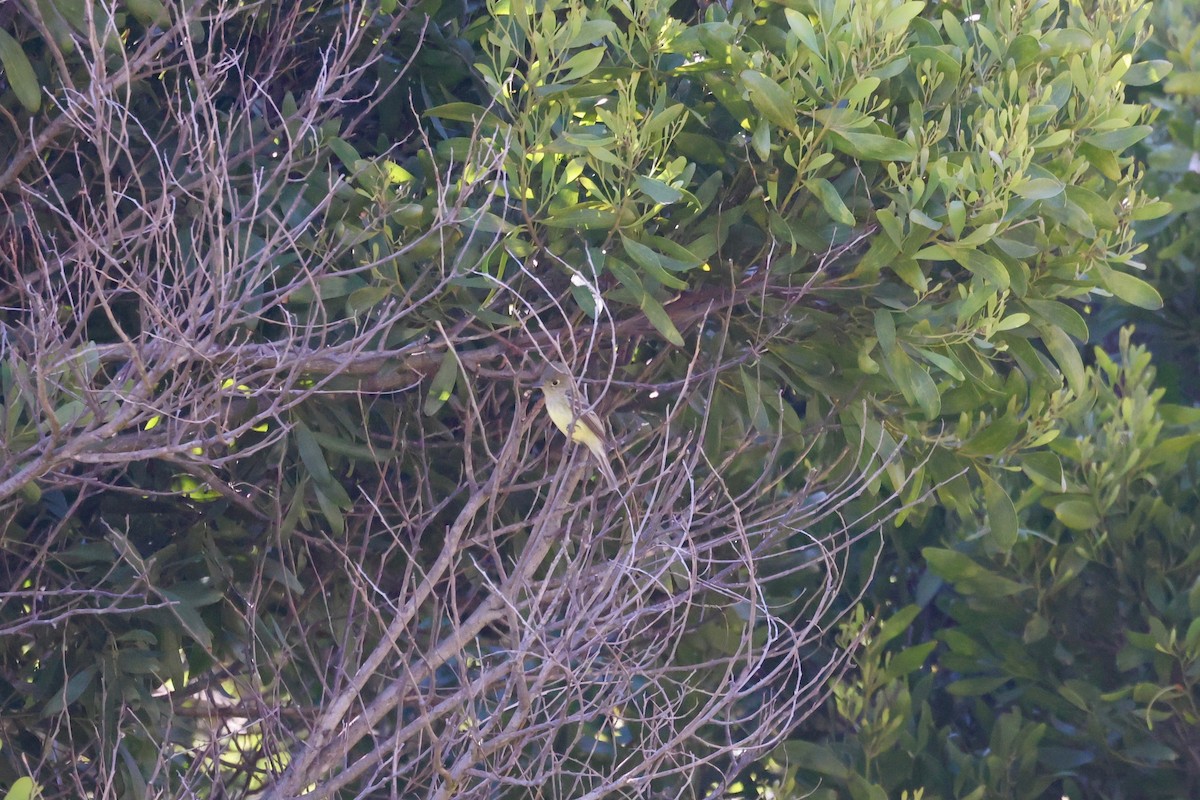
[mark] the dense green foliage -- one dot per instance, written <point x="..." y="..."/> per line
<point x="1069" y="667"/>
<point x="1172" y="171"/>
<point x="277" y="516"/>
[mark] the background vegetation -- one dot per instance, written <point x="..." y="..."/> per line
<point x="902" y="509"/>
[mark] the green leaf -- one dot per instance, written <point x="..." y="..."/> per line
<point x="967" y="576"/>
<point x="149" y="12"/>
<point x="658" y="191"/>
<point x="660" y="320"/>
<point x="770" y="98"/>
<point x="913" y="380"/>
<point x="1098" y="209"/>
<point x="467" y="112"/>
<point x="1117" y="140"/>
<point x="1154" y="210"/>
<point x="366" y="297"/>
<point x="277" y="572"/>
<point x="885" y="329"/>
<point x="954" y="30"/>
<point x="872" y="146"/>
<point x="21" y="789"/>
<point x="924" y="220"/>
<point x="311" y="454"/>
<point x="330" y="508"/>
<point x="1149" y="752"/>
<point x="193" y="623"/>
<point x="443" y="383"/>
<point x="1036" y="629"/>
<point x="947" y="364"/>
<point x="592" y="31"/>
<point x="19" y="72"/>
<point x="354" y="449"/>
<point x="582" y="63"/>
<point x="1063" y="350"/>
<point x="1001" y="513"/>
<point x="1045" y="470"/>
<point x="754" y="403"/>
<point x="898" y="18"/>
<point x="74" y="689"/>
<point x="815" y="757"/>
<point x="803" y="29"/>
<point x="895" y="625"/>
<point x="1131" y="289"/>
<point x="1060" y="315"/>
<point x="956" y="212"/>
<point x="760" y="142"/>
<point x="652" y="262"/>
<point x="1079" y="515"/>
<point x="1013" y="321"/>
<point x="1185" y="83"/>
<point x="345" y="152"/>
<point x="589" y="216"/>
<point x="990" y="268"/>
<point x="1104" y="161"/>
<point x="1147" y="72"/>
<point x="908" y="660"/>
<point x="1038" y="188"/>
<point x="993" y="438"/>
<point x="910" y="272"/>
<point x="827" y="193"/>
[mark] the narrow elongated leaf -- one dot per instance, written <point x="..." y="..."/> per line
<point x="1001" y="513"/>
<point x="652" y="263"/>
<point x="1061" y="315"/>
<point x="1131" y="289"/>
<point x="582" y="63"/>
<point x="1118" y="140"/>
<point x="1063" y="350"/>
<point x="658" y="191"/>
<point x="192" y="622"/>
<point x="908" y="660"/>
<point x="770" y="98"/>
<point x="661" y="321"/>
<point x="896" y="624"/>
<point x="990" y="268"/>
<point x="803" y="29"/>
<point x="312" y="455"/>
<point x="872" y="146"/>
<point x="898" y="18"/>
<point x="827" y="193"/>
<point x="468" y="112"/>
<point x="19" y="72"/>
<point x="443" y="383"/>
<point x="968" y="576"/>
<point x="1099" y="210"/>
<point x="1038" y="188"/>
<point x="1147" y="72"/>
<point x="1079" y="515"/>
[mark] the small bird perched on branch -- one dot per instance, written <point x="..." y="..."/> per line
<point x="568" y="410"/>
